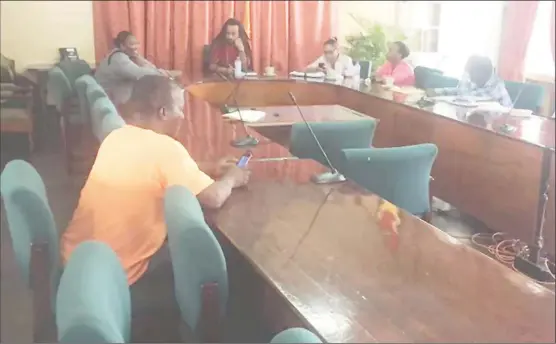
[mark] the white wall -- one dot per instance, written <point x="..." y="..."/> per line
<point x="32" y="31"/>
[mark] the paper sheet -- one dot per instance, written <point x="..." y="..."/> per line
<point x="247" y="115"/>
<point x="308" y="75"/>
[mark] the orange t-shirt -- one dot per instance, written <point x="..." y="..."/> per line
<point x="122" y="204"/>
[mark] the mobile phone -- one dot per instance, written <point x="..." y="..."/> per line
<point x="321" y="65"/>
<point x="244" y="160"/>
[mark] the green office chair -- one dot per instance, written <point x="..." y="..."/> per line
<point x="333" y="136"/>
<point x="426" y="78"/>
<point x="58" y="87"/>
<point x="199" y="265"/>
<point x="295" y="335"/>
<point x="34" y="239"/>
<point x="526" y="96"/>
<point x="93" y="303"/>
<point x="401" y="175"/>
<point x="104" y="118"/>
<point x="73" y="69"/>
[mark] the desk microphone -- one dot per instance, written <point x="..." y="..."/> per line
<point x="333" y="176"/>
<point x="247" y="141"/>
<point x="506" y="127"/>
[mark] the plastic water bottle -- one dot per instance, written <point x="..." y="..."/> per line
<point x="357" y="70"/>
<point x="237" y="68"/>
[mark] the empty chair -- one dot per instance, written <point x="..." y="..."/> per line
<point x="333" y="137"/>
<point x="34" y="239"/>
<point x="104" y="118"/>
<point x="295" y="335"/>
<point x="58" y="87"/>
<point x="401" y="175"/>
<point x="93" y="302"/>
<point x="526" y="96"/>
<point x="199" y="265"/>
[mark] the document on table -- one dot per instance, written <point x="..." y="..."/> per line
<point x="307" y="75"/>
<point x="247" y="115"/>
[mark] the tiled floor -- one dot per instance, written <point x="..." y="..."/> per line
<point x="63" y="193"/>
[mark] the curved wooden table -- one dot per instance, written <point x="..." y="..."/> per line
<point x="339" y="272"/>
<point x="490" y="175"/>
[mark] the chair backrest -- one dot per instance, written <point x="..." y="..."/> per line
<point x="104" y="118"/>
<point x="295" y="335"/>
<point x="401" y="175"/>
<point x="30" y="219"/>
<point x="333" y="137"/>
<point x="432" y="78"/>
<point x="82" y="84"/>
<point x="206" y="58"/>
<point x="197" y="258"/>
<point x="531" y="96"/>
<point x="93" y="303"/>
<point x="73" y="69"/>
<point x="58" y="86"/>
<point x="366" y="69"/>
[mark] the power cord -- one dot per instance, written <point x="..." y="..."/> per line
<point x="505" y="250"/>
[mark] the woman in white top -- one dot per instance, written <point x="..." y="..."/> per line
<point x="332" y="59"/>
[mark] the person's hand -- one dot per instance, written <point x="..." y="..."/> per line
<point x="239" y="44"/>
<point x="378" y="79"/>
<point x="223" y="165"/>
<point x="238" y="176"/>
<point x="430" y="92"/>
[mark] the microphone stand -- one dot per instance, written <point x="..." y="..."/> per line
<point x="333" y="176"/>
<point x="248" y="140"/>
<point x="530" y="262"/>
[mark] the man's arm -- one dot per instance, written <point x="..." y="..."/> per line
<point x="214" y="62"/>
<point x="178" y="168"/>
<point x="122" y="66"/>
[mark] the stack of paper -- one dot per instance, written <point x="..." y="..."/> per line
<point x="247" y="115"/>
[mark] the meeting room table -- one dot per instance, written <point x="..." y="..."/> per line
<point x="347" y="264"/>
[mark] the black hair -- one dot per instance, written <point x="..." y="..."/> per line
<point x="402" y="49"/>
<point x="332" y="41"/>
<point x="121" y="37"/>
<point x="151" y="93"/>
<point x="221" y="37"/>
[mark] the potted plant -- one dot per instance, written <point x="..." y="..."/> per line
<point x="371" y="43"/>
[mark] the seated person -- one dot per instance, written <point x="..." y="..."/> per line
<point x="123" y="65"/>
<point x="479" y="80"/>
<point x="232" y="42"/>
<point x="332" y="59"/>
<point x="396" y="67"/>
<point x="121" y="203"/>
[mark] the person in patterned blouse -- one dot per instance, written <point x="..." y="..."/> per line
<point x="479" y="80"/>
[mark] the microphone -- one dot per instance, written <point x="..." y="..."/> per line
<point x="333" y="176"/>
<point x="506" y="127"/>
<point x="248" y="140"/>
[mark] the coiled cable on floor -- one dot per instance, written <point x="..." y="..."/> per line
<point x="504" y="250"/>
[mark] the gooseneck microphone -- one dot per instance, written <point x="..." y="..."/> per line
<point x="248" y="140"/>
<point x="325" y="178"/>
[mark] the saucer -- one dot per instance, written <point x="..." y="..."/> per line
<point x="269" y="75"/>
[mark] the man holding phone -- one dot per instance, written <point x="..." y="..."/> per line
<point x="332" y="61"/>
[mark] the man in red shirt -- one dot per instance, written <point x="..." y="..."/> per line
<point x="232" y="42"/>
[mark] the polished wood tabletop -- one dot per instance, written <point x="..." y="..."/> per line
<point x="329" y="254"/>
<point x="482" y="170"/>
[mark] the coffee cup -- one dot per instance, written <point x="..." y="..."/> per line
<point x="269" y="71"/>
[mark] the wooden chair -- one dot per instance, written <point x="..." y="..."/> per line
<point x="199" y="265"/>
<point x="400" y="175"/>
<point x="93" y="301"/>
<point x="35" y="241"/>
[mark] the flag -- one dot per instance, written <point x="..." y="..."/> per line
<point x="247" y="18"/>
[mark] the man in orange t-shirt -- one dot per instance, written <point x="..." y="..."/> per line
<point x="121" y="203"/>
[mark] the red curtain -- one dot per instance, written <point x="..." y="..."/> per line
<point x="517" y="27"/>
<point x="286" y="34"/>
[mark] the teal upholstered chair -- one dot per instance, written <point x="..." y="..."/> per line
<point x="525" y="95"/>
<point x="104" y="118"/>
<point x="400" y="175"/>
<point x="333" y="137"/>
<point x="426" y="78"/>
<point x="73" y="69"/>
<point x="34" y="239"/>
<point x="295" y="335"/>
<point x="58" y="87"/>
<point x="199" y="265"/>
<point x="93" y="303"/>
